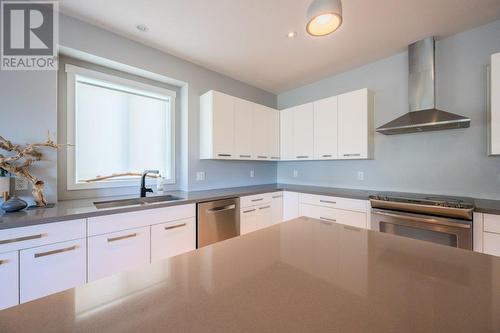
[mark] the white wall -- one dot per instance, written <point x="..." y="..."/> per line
<point x="451" y="162"/>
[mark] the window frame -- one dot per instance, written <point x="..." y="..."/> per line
<point x="75" y="74"/>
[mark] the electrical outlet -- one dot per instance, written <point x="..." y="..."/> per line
<point x="21" y="184"/>
<point x="295" y="173"/>
<point x="252" y="173"/>
<point x="361" y="175"/>
<point x="200" y="175"/>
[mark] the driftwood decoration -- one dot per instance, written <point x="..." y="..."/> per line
<point x="117" y="175"/>
<point x="19" y="163"/>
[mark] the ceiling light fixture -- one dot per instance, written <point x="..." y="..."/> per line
<point x="142" y="27"/>
<point x="291" y="34"/>
<point x="324" y="17"/>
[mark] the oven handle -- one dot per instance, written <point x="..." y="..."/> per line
<point x="421" y="219"/>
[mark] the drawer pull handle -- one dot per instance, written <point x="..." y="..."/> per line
<point x="277" y="196"/>
<point x="327" y="219"/>
<point x="259" y="199"/>
<point x="261" y="156"/>
<point x="22" y="239"/>
<point x="303" y="156"/>
<point x="224" y="155"/>
<point x="221" y="209"/>
<point x="328" y="201"/>
<point x="49" y="253"/>
<point x="114" y="239"/>
<point x="246" y="156"/>
<point x="347" y="155"/>
<point x="275" y="158"/>
<point x="265" y="207"/>
<point x="3" y="262"/>
<point x="327" y="156"/>
<point x="176" y="226"/>
<point x="248" y="211"/>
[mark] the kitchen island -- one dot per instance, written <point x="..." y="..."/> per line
<point x="304" y="275"/>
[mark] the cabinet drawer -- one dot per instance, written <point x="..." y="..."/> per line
<point x="173" y="238"/>
<point x="355" y="219"/>
<point x="117" y="252"/>
<point x="52" y="268"/>
<point x="333" y="202"/>
<point x="491" y="243"/>
<point x="26" y="237"/>
<point x="9" y="279"/>
<point x="111" y="223"/>
<point x="254" y="200"/>
<point x="491" y="223"/>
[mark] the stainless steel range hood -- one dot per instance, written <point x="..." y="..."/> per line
<point x="423" y="115"/>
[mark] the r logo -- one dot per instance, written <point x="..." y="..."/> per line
<point x="28" y="31"/>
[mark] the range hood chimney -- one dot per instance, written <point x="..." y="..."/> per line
<point x="423" y="115"/>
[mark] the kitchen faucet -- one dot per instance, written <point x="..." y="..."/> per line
<point x="145" y="189"/>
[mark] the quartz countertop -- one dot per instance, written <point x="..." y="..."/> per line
<point x="298" y="276"/>
<point x="75" y="209"/>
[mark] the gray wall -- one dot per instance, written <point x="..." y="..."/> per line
<point x="447" y="162"/>
<point x="28" y="110"/>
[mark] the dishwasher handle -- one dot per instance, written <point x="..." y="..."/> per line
<point x="221" y="209"/>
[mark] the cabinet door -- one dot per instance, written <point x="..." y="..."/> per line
<point x="264" y="216"/>
<point x="353" y="125"/>
<point x="172" y="238"/>
<point x="332" y="215"/>
<point x="290" y="205"/>
<point x="248" y="220"/>
<point x="243" y="129"/>
<point x="277" y="208"/>
<point x="262" y="132"/>
<point x="223" y="125"/>
<point x="9" y="279"/>
<point x="286" y="134"/>
<point x="325" y="129"/>
<point x="52" y="268"/>
<point x="274" y="131"/>
<point x="303" y="132"/>
<point x="117" y="252"/>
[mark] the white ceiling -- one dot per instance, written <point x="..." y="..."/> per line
<point x="246" y="39"/>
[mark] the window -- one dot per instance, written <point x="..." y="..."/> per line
<point x="117" y="126"/>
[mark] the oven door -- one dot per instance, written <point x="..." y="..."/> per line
<point x="440" y="230"/>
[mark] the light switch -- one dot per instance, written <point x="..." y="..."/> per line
<point x="295" y="173"/>
<point x="361" y="175"/>
<point x="200" y="175"/>
<point x="252" y="173"/>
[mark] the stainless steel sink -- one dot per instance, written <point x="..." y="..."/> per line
<point x="135" y="201"/>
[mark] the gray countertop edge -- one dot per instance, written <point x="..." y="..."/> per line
<point x="80" y="209"/>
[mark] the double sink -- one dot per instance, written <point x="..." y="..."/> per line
<point x="135" y="201"/>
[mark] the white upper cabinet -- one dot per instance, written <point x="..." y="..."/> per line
<point x="262" y="132"/>
<point x="243" y="129"/>
<point x="303" y="132"/>
<point x="217" y="126"/>
<point x="494" y="114"/>
<point x="286" y="134"/>
<point x="355" y="125"/>
<point x="274" y="132"/>
<point x="233" y="128"/>
<point x="325" y="128"/>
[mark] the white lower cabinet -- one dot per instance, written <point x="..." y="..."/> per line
<point x="173" y="238"/>
<point x="248" y="220"/>
<point x="52" y="268"/>
<point x="290" y="205"/>
<point x="347" y="217"/>
<point x="277" y="207"/>
<point x="117" y="252"/>
<point x="491" y="243"/>
<point x="9" y="279"/>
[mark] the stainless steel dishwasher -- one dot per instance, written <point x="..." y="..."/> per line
<point x="218" y="220"/>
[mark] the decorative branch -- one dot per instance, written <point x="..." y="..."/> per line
<point x="117" y="175"/>
<point x="24" y="157"/>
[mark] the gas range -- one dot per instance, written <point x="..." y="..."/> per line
<point x="453" y="207"/>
